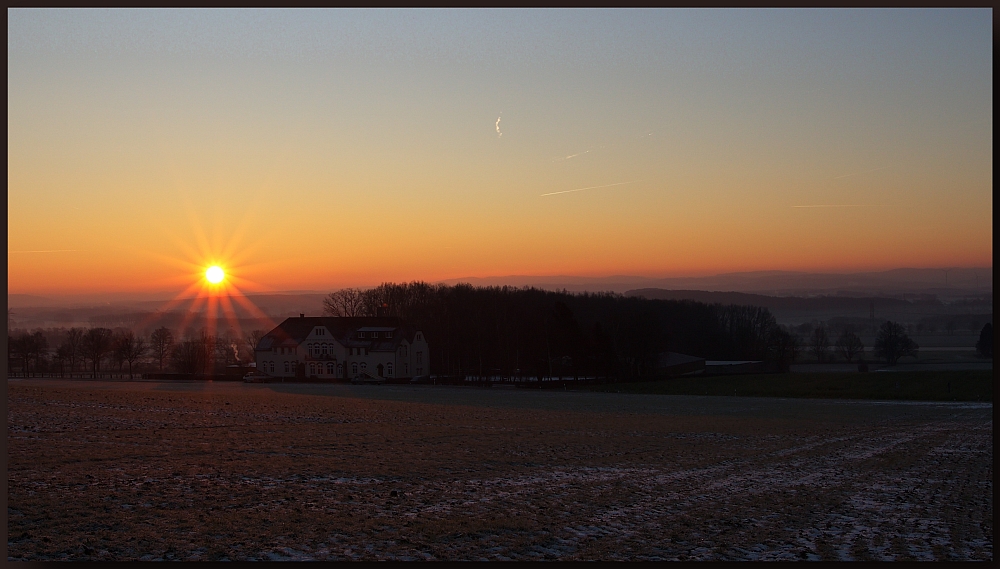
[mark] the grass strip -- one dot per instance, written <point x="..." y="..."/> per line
<point x="963" y="385"/>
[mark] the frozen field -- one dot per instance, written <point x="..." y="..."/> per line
<point x="145" y="470"/>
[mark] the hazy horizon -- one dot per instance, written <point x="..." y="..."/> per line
<point x="317" y="149"/>
<point x="962" y="281"/>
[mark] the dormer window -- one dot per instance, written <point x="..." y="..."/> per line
<point x="374" y="334"/>
<point x="361" y="334"/>
<point x="388" y="335"/>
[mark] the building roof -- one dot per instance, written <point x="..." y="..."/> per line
<point x="670" y="359"/>
<point x="343" y="329"/>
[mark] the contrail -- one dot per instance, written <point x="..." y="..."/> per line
<point x="590" y="188"/>
<point x="840" y="205"/>
<point x="865" y="172"/>
<point x="499" y="134"/>
<point x="48" y="251"/>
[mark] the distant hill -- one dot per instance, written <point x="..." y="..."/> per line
<point x="945" y="283"/>
<point x="19" y="300"/>
<point x="839" y="303"/>
<point x="798" y="309"/>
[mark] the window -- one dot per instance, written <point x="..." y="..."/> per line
<point x="340" y="370"/>
<point x="272" y="366"/>
<point x="330" y="367"/>
<point x="286" y="368"/>
<point x="354" y="368"/>
<point x="420" y="371"/>
<point x="388" y="370"/>
<point x="324" y="348"/>
<point x="364" y="366"/>
<point x="361" y="334"/>
<point x="388" y="335"/>
<point x="374" y="334"/>
<point x="418" y="337"/>
<point x="406" y="368"/>
<point x="420" y="357"/>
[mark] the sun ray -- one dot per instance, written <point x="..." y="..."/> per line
<point x="191" y="314"/>
<point x="211" y="309"/>
<point x="230" y="314"/>
<point x="162" y="311"/>
<point x="254" y="311"/>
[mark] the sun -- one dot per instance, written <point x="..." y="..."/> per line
<point x="215" y="274"/>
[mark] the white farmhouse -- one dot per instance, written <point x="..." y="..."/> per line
<point x="342" y="348"/>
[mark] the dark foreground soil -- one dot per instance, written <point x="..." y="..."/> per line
<point x="144" y="471"/>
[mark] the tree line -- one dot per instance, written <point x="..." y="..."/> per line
<point x="510" y="331"/>
<point x="101" y="352"/>
<point x="527" y="331"/>
<point x="481" y="331"/>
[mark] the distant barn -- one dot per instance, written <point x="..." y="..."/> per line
<point x="672" y="364"/>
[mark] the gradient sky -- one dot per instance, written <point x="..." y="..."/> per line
<point x="313" y="149"/>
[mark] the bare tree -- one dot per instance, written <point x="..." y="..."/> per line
<point x="227" y="348"/>
<point x="849" y="345"/>
<point x="345" y="302"/>
<point x="187" y="356"/>
<point x="252" y="341"/>
<point x="208" y="345"/>
<point x="130" y="348"/>
<point x="73" y="347"/>
<point x="193" y="355"/>
<point x="64" y="355"/>
<point x="818" y="343"/>
<point x="749" y="329"/>
<point x="34" y="349"/>
<point x="784" y="347"/>
<point x="97" y="343"/>
<point x="117" y="351"/>
<point x="161" y="341"/>
<point x="892" y="343"/>
<point x="18" y="349"/>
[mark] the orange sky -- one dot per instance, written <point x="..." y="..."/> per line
<point x="142" y="146"/>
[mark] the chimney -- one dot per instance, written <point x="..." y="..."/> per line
<point x="301" y="315"/>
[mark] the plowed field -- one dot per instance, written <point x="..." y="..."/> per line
<point x="142" y="471"/>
